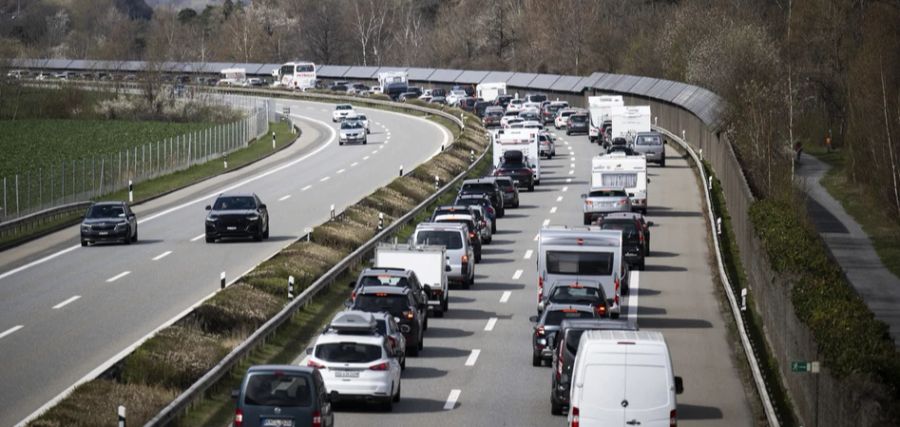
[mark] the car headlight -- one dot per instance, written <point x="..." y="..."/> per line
<point x="121" y="226"/>
<point x="211" y="218"/>
<point x="86" y="227"/>
<point x="253" y="217"/>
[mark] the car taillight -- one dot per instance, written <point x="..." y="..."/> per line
<point x="539" y="331"/>
<point x="409" y="315"/>
<point x="238" y="417"/>
<point x="623" y="202"/>
<point x="471" y="235"/>
<point x="601" y="310"/>
<point x="616" y="298"/>
<point x="465" y="259"/>
<point x="641" y="236"/>
<point x="673" y="418"/>
<point x="540" y="292"/>
<point x="576" y="419"/>
<point x="317" y="419"/>
<point x="379" y="367"/>
<point x="312" y="364"/>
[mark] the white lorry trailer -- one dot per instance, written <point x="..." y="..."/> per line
<point x="428" y="262"/>
<point x="522" y="139"/>
<point x="601" y="108"/>
<point x="490" y="91"/>
<point x="628" y="121"/>
<point x="628" y="172"/>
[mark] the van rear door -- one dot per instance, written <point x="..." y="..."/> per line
<point x="647" y="389"/>
<point x="603" y="390"/>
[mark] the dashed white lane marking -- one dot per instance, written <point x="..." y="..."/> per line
<point x="118" y="276"/>
<point x="352" y="165"/>
<point x="559" y="199"/>
<point x="568" y="179"/>
<point x="366" y="158"/>
<point x="537" y="236"/>
<point x="572" y="165"/>
<point x="473" y="357"/>
<point x="490" y="324"/>
<point x="633" y="287"/>
<point x="66" y="302"/>
<point x="285" y="197"/>
<point x="325" y="179"/>
<point x="341" y="171"/>
<point x="306" y="188"/>
<point x="198" y="237"/>
<point x="162" y="255"/>
<point x="505" y="297"/>
<point x="564" y="189"/>
<point x="10" y="331"/>
<point x="517" y="274"/>
<point x="573" y="160"/>
<point x="451" y="399"/>
<point x="546" y="222"/>
<point x="528" y="254"/>
<point x="553" y="210"/>
<point x="571" y="172"/>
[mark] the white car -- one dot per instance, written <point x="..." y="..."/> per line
<point x="531" y="124"/>
<point x="512" y="123"/>
<point x="532" y="106"/>
<point x="375" y="89"/>
<point x="355" y="361"/>
<point x="560" y="121"/>
<point x="352" y="130"/>
<point x="454" y="96"/>
<point x="365" y="122"/>
<point x="341" y="112"/>
<point x="509" y="115"/>
<point x="515" y="105"/>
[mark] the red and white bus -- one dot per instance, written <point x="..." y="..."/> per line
<point x="297" y="75"/>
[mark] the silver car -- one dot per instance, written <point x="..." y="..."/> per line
<point x="652" y="145"/>
<point x="454" y="237"/>
<point x="352" y="130"/>
<point x="603" y="200"/>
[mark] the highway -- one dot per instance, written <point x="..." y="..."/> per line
<point x="68" y="312"/>
<point x="476" y="365"/>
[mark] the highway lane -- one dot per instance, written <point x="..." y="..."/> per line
<point x="87" y="305"/>
<point x="476" y="368"/>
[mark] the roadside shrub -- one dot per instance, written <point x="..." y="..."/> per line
<point x="380" y="97"/>
<point x="95" y="404"/>
<point x="176" y="357"/>
<point x="239" y="309"/>
<point x="337" y="234"/>
<point x="365" y="215"/>
<point x="389" y="201"/>
<point x="412" y="187"/>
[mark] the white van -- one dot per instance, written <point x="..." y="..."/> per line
<point x="623" y="378"/>
<point x="524" y="140"/>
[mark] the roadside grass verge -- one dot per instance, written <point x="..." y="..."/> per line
<point x="883" y="229"/>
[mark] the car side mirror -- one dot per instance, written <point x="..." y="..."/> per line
<point x="348" y="303"/>
<point x="649" y="180"/>
<point x="208" y="207"/>
<point x="584" y="196"/>
<point x="650" y="223"/>
<point x="351" y="285"/>
<point x="235" y="394"/>
<point x="679" y="385"/>
<point x="533" y="319"/>
<point x="309" y="351"/>
<point x="447" y="268"/>
<point x="262" y="206"/>
<point x="665" y="141"/>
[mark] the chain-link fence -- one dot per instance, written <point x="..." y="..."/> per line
<point x="97" y="175"/>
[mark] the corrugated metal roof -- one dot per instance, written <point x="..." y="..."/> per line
<point x="672" y="91"/>
<point x="521" y="79"/>
<point x="498" y="77"/>
<point x="332" y="71"/>
<point x="443" y="75"/>
<point x="625" y="83"/>
<point x="268" y="68"/>
<point x="423" y="74"/>
<point x="567" y="84"/>
<point x="643" y="85"/>
<point x="544" y="81"/>
<point x="361" y="73"/>
<point x="685" y="94"/>
<point x="472" y="77"/>
<point x="606" y="81"/>
<point x="659" y="88"/>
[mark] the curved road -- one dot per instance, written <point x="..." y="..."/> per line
<point x="67" y="312"/>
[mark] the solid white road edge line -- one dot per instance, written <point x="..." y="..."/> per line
<point x="118" y="276"/>
<point x="66" y="302"/>
<point x="451" y="399"/>
<point x="568" y="180"/>
<point x="528" y="254"/>
<point x="634" y="286"/>
<point x="198" y="237"/>
<point x="505" y="297"/>
<point x="490" y="324"/>
<point x="162" y="255"/>
<point x="473" y="357"/>
<point x="10" y="331"/>
<point x="517" y="274"/>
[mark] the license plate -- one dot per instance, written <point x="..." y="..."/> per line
<point x="346" y="374"/>
<point x="279" y="422"/>
<point x="232" y="228"/>
<point x="104" y="233"/>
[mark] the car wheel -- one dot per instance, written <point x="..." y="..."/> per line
<point x="642" y="266"/>
<point x="365" y="141"/>
<point x="258" y="236"/>
<point x="403" y="362"/>
<point x="568" y="133"/>
<point x="550" y="157"/>
<point x="84" y="243"/>
<point x="266" y="233"/>
<point x="469" y="282"/>
<point x="445" y="304"/>
<point x="517" y="204"/>
<point x="127" y="239"/>
<point x="388" y="405"/>
<point x="662" y="163"/>
<point x="340" y="142"/>
<point x="530" y="187"/>
<point x="587" y="220"/>
<point x="421" y="342"/>
<point x="478" y="257"/>
<point x="413" y="350"/>
<point x="555" y="408"/>
<point x="535" y="359"/>
<point x="210" y="239"/>
<point x="493" y="228"/>
<point x="135" y="237"/>
<point x="397" y="396"/>
<point x="425" y="324"/>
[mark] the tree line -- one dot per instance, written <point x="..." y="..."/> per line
<point x="792" y="71"/>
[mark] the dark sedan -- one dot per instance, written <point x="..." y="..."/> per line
<point x="577" y="123"/>
<point x="109" y="222"/>
<point x="237" y="215"/>
<point x="520" y="173"/>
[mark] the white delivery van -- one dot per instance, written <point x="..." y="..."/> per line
<point x="623" y="378"/>
<point x="428" y="262"/>
<point x="522" y="139"/>
<point x="628" y="121"/>
<point x="601" y="108"/>
<point x="490" y="91"/>
<point x="581" y="253"/>
<point x="618" y="170"/>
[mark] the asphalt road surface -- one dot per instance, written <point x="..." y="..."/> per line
<point x="476" y="368"/>
<point x="67" y="312"/>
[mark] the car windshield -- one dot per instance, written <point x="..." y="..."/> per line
<point x="467" y="222"/>
<point x="278" y="389"/>
<point x="106" y="211"/>
<point x="555" y="317"/>
<point x="447" y="239"/>
<point x="629" y="229"/>
<point x="478" y="188"/>
<point x="580" y="263"/>
<point x="607" y="193"/>
<point x="361" y="117"/>
<point x="391" y="303"/>
<point x="348" y="352"/>
<point x="234" y="203"/>
<point x="575" y="295"/>
<point x="352" y="124"/>
<point x="649" y="140"/>
<point x="343" y="107"/>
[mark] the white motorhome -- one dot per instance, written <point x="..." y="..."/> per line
<point x="623" y="378"/>
<point x="524" y="140"/>
<point x="628" y="172"/>
<point x="600" y="108"/>
<point x="233" y="77"/>
<point x="490" y="91"/>
<point x="581" y="253"/>
<point x="428" y="262"/>
<point x="628" y="121"/>
<point x="387" y="77"/>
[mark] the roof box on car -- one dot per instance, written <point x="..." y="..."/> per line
<point x="353" y="321"/>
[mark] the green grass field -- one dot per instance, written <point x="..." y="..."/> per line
<point x="34" y="143"/>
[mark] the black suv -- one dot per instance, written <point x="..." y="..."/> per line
<point x="547" y="325"/>
<point x="237" y="215"/>
<point x="109" y="222"/>
<point x="400" y="303"/>
<point x="396" y="277"/>
<point x="565" y="348"/>
<point x="482" y="200"/>
<point x="634" y="246"/>
<point x="485" y="186"/>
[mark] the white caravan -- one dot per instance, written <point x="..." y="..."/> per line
<point x="628" y="121"/>
<point x="233" y="77"/>
<point x="388" y="77"/>
<point x="621" y="171"/>
<point x="524" y="140"/>
<point x="490" y="91"/>
<point x="428" y="262"/>
<point x="600" y="108"/>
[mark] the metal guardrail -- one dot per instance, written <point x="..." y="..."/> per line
<point x="196" y="390"/>
<point x="35" y="219"/>
<point x="756" y="373"/>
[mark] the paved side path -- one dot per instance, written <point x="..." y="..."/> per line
<point x="878" y="287"/>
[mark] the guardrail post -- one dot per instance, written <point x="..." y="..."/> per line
<point x="332" y="211"/>
<point x="273" y="139"/>
<point x="308" y="231"/>
<point x="719" y="226"/>
<point x="222" y="280"/>
<point x="401" y="170"/>
<point x="710" y="182"/>
<point x="437" y="182"/>
<point x="744" y="299"/>
<point x="380" y="221"/>
<point x="130" y="191"/>
<point x="290" y="287"/>
<point x="121" y="414"/>
<point x="471" y="156"/>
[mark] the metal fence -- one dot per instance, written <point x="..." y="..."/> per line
<point x="97" y="175"/>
